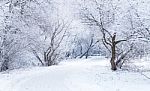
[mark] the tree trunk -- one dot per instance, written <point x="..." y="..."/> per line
<point x="112" y="61"/>
<point x="87" y="54"/>
<point x="113" y="54"/>
<point x="5" y="65"/>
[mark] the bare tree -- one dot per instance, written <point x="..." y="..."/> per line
<point x="53" y="37"/>
<point x="51" y="54"/>
<point x="103" y="19"/>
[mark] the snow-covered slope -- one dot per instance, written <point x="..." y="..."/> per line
<point x="93" y="74"/>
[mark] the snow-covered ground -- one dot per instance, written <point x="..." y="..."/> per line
<point x="93" y="74"/>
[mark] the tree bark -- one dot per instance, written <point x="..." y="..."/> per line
<point x="112" y="61"/>
<point x="113" y="53"/>
<point x="5" y="65"/>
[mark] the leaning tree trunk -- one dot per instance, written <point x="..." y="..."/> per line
<point x="86" y="54"/>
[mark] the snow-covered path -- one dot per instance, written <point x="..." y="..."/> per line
<point x="82" y="75"/>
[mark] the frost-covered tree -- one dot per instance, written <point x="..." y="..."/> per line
<point x="10" y="33"/>
<point x="31" y="27"/>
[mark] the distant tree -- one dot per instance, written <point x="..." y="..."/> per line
<point x="90" y="44"/>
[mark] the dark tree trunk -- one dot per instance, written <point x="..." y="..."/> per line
<point x="113" y="53"/>
<point x="5" y="65"/>
<point x="86" y="54"/>
<point x="112" y="61"/>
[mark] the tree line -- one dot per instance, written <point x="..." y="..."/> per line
<point x="34" y="33"/>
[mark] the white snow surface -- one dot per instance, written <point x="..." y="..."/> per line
<point x="91" y="74"/>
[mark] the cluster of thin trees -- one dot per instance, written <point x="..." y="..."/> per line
<point x="35" y="27"/>
<point x="31" y="27"/>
